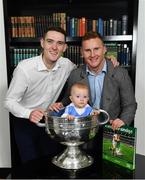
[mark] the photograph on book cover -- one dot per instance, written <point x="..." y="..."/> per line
<point x="119" y="146"/>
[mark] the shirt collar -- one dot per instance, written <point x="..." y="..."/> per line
<point x="104" y="70"/>
<point x="41" y="66"/>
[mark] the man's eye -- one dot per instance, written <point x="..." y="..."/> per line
<point x="78" y="96"/>
<point x="49" y="41"/>
<point x="85" y="97"/>
<point x="97" y="48"/>
<point x="87" y="50"/>
<point x="60" y="43"/>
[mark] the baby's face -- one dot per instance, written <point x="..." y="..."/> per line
<point x="80" y="97"/>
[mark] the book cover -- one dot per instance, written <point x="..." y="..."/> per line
<point x="119" y="146"/>
<point x="111" y="49"/>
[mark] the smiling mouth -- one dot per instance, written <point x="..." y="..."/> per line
<point x="53" y="54"/>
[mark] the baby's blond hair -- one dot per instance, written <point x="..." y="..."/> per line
<point x="79" y="85"/>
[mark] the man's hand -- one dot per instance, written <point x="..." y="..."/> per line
<point x="36" y="115"/>
<point x="117" y="123"/>
<point x="113" y="60"/>
<point x="55" y="107"/>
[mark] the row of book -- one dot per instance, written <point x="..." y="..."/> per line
<point x="35" y="26"/>
<point x="18" y="54"/>
<point x="106" y="27"/>
<point x="74" y="54"/>
<point x="120" y="51"/>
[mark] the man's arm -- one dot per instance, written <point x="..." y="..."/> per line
<point x="15" y="93"/>
<point x="128" y="102"/>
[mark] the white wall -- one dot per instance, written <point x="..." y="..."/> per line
<point x="140" y="80"/>
<point x="5" y="153"/>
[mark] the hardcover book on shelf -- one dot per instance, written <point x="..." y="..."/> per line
<point x="112" y="49"/>
<point x="119" y="146"/>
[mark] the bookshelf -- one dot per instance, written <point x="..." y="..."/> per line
<point x="47" y="12"/>
<point x="40" y="14"/>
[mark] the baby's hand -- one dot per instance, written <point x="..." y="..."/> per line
<point x="70" y="117"/>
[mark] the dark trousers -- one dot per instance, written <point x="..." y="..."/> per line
<point x="32" y="141"/>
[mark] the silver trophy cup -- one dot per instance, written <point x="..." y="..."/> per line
<point x="73" y="133"/>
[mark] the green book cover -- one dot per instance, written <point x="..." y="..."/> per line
<point x="111" y="49"/>
<point x="119" y="146"/>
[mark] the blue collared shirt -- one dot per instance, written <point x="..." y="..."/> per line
<point x="96" y="85"/>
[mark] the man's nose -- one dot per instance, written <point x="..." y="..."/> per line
<point x="92" y="53"/>
<point x="54" y="45"/>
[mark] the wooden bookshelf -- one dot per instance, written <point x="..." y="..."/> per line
<point x="46" y="12"/>
<point x="95" y="9"/>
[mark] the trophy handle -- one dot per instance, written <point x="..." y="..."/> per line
<point x="48" y="114"/>
<point x="40" y="124"/>
<point x="103" y="117"/>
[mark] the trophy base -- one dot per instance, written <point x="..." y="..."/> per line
<point x="72" y="158"/>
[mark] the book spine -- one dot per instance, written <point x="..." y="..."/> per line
<point x="111" y="27"/>
<point x="100" y="26"/>
<point x="124" y="24"/>
<point x="114" y="27"/>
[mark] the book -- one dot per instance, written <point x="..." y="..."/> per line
<point x="111" y="49"/>
<point x="124" y="24"/>
<point x="100" y="26"/>
<point x="114" y="31"/>
<point x="119" y="146"/>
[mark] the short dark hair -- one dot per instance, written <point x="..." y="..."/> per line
<point x="55" y="28"/>
<point x="92" y="35"/>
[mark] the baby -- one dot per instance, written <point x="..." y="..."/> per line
<point x="79" y="96"/>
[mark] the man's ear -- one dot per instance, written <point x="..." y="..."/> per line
<point x="81" y="51"/>
<point x="65" y="47"/>
<point x="42" y="42"/>
<point x="105" y="50"/>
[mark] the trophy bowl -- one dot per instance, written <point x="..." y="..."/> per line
<point x="73" y="133"/>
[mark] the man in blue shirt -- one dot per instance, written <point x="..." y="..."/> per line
<point x="110" y="87"/>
